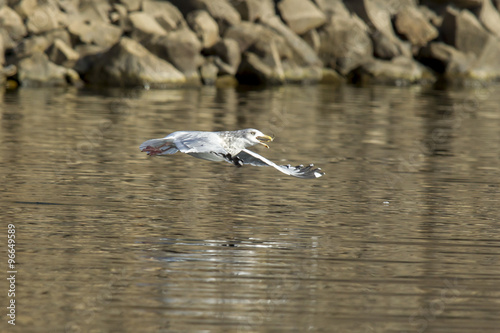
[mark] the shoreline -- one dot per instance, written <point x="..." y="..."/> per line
<point x="161" y="44"/>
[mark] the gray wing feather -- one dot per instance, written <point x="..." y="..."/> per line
<point x="249" y="157"/>
<point x="198" y="144"/>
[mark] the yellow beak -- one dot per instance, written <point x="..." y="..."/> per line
<point x="265" y="138"/>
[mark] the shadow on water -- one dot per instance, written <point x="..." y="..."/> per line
<point x="401" y="235"/>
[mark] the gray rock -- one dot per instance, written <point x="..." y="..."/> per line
<point x="25" y="7"/>
<point x="166" y="14"/>
<point x="144" y="25"/>
<point x="40" y="43"/>
<point x="489" y="17"/>
<point x="253" y="70"/>
<point x="37" y="70"/>
<point x="89" y="10"/>
<point x="312" y="38"/>
<point x="332" y="7"/>
<point x="46" y="17"/>
<point x="462" y="30"/>
<point x="132" y="5"/>
<point x="119" y="16"/>
<point x="268" y="57"/>
<point x="245" y="34"/>
<point x="301" y="15"/>
<point x="399" y="71"/>
<point x="384" y="47"/>
<point x="129" y="64"/>
<point x="345" y="43"/>
<point x="13" y="29"/>
<point x="208" y="72"/>
<point x="204" y="26"/>
<point x="62" y="54"/>
<point x="487" y="65"/>
<point x="447" y="60"/>
<point x="95" y="32"/>
<point x="431" y="16"/>
<point x="303" y="53"/>
<point x="253" y="10"/>
<point x="221" y="10"/>
<point x="228" y="56"/>
<point x="181" y="48"/>
<point x="414" y="26"/>
<point x="377" y="16"/>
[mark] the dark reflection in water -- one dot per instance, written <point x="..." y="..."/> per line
<point x="401" y="235"/>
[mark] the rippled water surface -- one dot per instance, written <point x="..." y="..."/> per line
<point x="400" y="235"/>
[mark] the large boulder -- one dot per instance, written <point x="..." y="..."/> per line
<point x="489" y="17"/>
<point x="13" y="29"/>
<point x="458" y="67"/>
<point x="414" y="26"/>
<point x="204" y="26"/>
<point x="166" y="14"/>
<point x="62" y="54"/>
<point x="132" y="5"/>
<point x="37" y="70"/>
<point x="268" y="58"/>
<point x="312" y="39"/>
<point x="227" y="56"/>
<point x="129" y="64"/>
<point x="332" y="7"/>
<point x="446" y="60"/>
<point x="254" y="70"/>
<point x="301" y="15"/>
<point x="89" y="10"/>
<point x="303" y="53"/>
<point x="94" y="32"/>
<point x="24" y="7"/>
<point x="462" y="30"/>
<point x="253" y="10"/>
<point x="181" y="48"/>
<point x="377" y="16"/>
<point x="46" y="17"/>
<point x="144" y="25"/>
<point x="398" y="71"/>
<point x="221" y="10"/>
<point x="487" y="65"/>
<point x="345" y="43"/>
<point x="208" y="72"/>
<point x="41" y="43"/>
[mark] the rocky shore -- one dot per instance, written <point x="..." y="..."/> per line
<point x="145" y="43"/>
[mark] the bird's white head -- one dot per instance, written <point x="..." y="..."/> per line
<point x="254" y="137"/>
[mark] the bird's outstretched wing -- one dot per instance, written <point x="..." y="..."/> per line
<point x="249" y="157"/>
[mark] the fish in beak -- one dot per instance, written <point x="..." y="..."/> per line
<point x="263" y="139"/>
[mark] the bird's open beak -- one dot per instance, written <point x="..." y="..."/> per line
<point x="265" y="138"/>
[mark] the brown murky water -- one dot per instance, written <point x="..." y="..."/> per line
<point x="401" y="235"/>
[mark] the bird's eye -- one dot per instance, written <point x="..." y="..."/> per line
<point x="252" y="132"/>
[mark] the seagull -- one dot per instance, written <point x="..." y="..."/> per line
<point x="229" y="146"/>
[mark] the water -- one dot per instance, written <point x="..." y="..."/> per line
<point x="400" y="235"/>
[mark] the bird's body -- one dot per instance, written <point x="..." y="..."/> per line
<point x="229" y="146"/>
